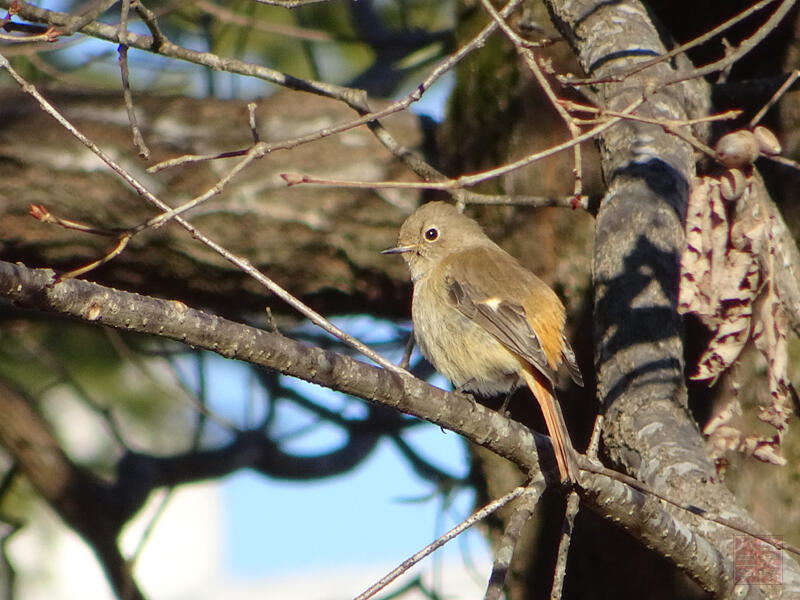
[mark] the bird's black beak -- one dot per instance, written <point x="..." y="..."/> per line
<point x="398" y="250"/>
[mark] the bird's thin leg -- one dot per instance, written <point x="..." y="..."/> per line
<point x="462" y="389"/>
<point x="503" y="410"/>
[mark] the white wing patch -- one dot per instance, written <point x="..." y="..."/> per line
<point x="492" y="303"/>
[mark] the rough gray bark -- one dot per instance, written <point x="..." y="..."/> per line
<point x="331" y="258"/>
<point x="336" y="234"/>
<point x="640" y="514"/>
<point x="639" y="238"/>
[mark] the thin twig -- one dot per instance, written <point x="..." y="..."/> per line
<point x="260" y="149"/>
<point x="407" y="351"/>
<point x="741" y="50"/>
<point x="92" y="10"/>
<point x="670" y="126"/>
<point x="573" y="506"/>
<point x="66" y="21"/>
<point x="41" y="213"/>
<point x="45" y="36"/>
<point x="504" y="553"/>
<point x="675" y="51"/>
<point x="186" y="159"/>
<point x="468" y="180"/>
<point x="775" y="97"/>
<point x="782" y="160"/>
<point x="151" y="524"/>
<point x="149" y="18"/>
<point x="255" y="152"/>
<point x="525" y="51"/>
<point x="251" y="111"/>
<point x="430" y="548"/>
<point x="417" y="165"/>
<point x="241" y="263"/>
<point x="584" y="202"/>
<point x="594" y="441"/>
<point x="475" y="178"/>
<point x="138" y="139"/>
<point x="727" y="115"/>
<point x="122" y="243"/>
<point x="672" y="130"/>
<point x="371" y="119"/>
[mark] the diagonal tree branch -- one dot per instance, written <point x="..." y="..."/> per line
<point x="82" y="501"/>
<point x="639" y="237"/>
<point x="69" y="23"/>
<point x="640" y="514"/>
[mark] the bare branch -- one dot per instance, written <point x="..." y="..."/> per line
<point x="744" y="48"/>
<point x="475" y="178"/>
<point x="79" y="498"/>
<point x="721" y="28"/>
<point x="149" y="19"/>
<point x="138" y="139"/>
<point x="174" y="320"/>
<point x="573" y="506"/>
<point x="239" y="262"/>
<point x="775" y="97"/>
<point x="66" y="22"/>
<point x="523" y="510"/>
<point x="639" y="512"/>
<point x="476" y="517"/>
<point x="525" y="51"/>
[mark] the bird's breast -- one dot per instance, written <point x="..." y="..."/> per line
<point x="460" y="349"/>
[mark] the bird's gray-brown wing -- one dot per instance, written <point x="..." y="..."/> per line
<point x="572" y="364"/>
<point x="505" y="319"/>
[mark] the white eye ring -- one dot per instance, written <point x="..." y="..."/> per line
<point x="432" y="234"/>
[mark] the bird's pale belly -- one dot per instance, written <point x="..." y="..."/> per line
<point x="464" y="352"/>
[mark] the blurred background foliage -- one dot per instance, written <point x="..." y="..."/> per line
<point x="106" y="394"/>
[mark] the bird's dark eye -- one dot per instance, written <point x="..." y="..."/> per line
<point x="431" y="234"/>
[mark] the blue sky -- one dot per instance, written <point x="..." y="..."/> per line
<point x="367" y="516"/>
<point x="379" y="512"/>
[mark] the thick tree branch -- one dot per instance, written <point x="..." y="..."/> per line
<point x="639" y="235"/>
<point x="639" y="239"/>
<point x="642" y="515"/>
<point x="83" y="501"/>
<point x="638" y="338"/>
<point x="252" y="218"/>
<point x="35" y="288"/>
<point x="69" y="24"/>
<point x="141" y="473"/>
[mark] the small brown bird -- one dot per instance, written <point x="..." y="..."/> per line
<point x="483" y="320"/>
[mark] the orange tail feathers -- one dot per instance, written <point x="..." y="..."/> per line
<point x="556" y="427"/>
